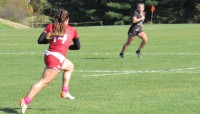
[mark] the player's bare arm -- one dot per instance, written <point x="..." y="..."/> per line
<point x="135" y="19"/>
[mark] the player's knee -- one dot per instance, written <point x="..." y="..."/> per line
<point x="145" y="40"/>
<point x="40" y="84"/>
<point x="68" y="66"/>
<point x="45" y="83"/>
<point x="72" y="67"/>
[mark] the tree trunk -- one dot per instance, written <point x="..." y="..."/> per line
<point x="189" y="10"/>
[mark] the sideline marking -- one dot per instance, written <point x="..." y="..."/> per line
<point x="127" y="72"/>
<point x="15" y="44"/>
<point x="22" y="53"/>
<point x="19" y="53"/>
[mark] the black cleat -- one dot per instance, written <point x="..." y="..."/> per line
<point x="139" y="54"/>
<point x="121" y="55"/>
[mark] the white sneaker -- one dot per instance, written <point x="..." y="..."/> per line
<point x="23" y="106"/>
<point x="67" y="96"/>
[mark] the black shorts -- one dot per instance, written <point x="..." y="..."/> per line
<point x="134" y="32"/>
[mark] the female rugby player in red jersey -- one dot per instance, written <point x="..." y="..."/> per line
<point x="59" y="35"/>
<point x="136" y="30"/>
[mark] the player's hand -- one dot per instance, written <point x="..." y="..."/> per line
<point x="49" y="36"/>
<point x="142" y="18"/>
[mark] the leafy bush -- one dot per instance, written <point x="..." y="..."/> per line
<point x="13" y="11"/>
<point x="37" y="21"/>
<point x="119" y="23"/>
<point x="113" y="15"/>
<point x="197" y="16"/>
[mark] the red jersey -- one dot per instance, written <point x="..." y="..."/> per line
<point x="61" y="44"/>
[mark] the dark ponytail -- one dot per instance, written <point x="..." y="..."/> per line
<point x="59" y="26"/>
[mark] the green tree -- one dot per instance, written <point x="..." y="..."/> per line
<point x="80" y="10"/>
<point x="175" y="11"/>
<point x="189" y="8"/>
<point x="118" y="12"/>
<point x="39" y="6"/>
<point x="197" y="14"/>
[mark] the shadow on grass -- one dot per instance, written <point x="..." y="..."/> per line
<point x="10" y="110"/>
<point x="17" y="110"/>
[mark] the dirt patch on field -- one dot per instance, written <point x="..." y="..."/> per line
<point x="12" y="24"/>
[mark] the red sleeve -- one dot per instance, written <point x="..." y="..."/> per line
<point x="48" y="28"/>
<point x="75" y="33"/>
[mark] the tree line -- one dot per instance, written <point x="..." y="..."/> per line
<point x="110" y="12"/>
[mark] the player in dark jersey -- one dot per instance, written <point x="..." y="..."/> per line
<point x="59" y="36"/>
<point x="136" y="30"/>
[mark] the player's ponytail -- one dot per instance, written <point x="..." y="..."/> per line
<point x="59" y="25"/>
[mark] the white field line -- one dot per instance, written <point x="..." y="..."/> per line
<point x="20" y="53"/>
<point x="32" y="53"/>
<point x="16" y="44"/>
<point x="142" y="53"/>
<point x="127" y="72"/>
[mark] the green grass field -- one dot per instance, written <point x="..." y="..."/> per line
<point x="3" y="26"/>
<point x="165" y="81"/>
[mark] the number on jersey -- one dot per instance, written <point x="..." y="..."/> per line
<point x="63" y="38"/>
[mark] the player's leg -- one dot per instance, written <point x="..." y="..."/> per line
<point x="144" y="39"/>
<point x="47" y="77"/>
<point x="125" y="46"/>
<point x="68" y="68"/>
